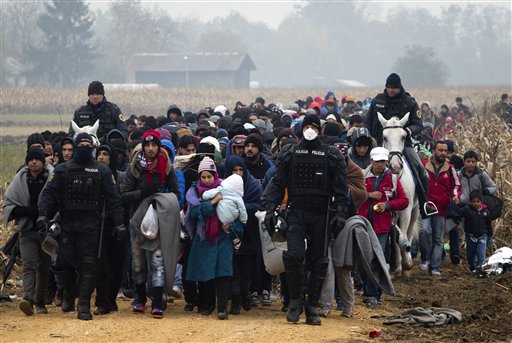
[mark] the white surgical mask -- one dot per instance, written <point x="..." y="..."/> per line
<point x="309" y="134"/>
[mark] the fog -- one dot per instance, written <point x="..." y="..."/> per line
<point x="292" y="44"/>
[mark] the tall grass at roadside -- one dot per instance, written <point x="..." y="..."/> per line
<point x="11" y="158"/>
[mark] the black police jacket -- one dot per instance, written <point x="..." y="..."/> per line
<point x="390" y="107"/>
<point x="109" y="115"/>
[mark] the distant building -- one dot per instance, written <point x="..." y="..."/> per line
<point x="228" y="70"/>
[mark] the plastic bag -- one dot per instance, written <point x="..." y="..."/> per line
<point x="149" y="226"/>
<point x="272" y="251"/>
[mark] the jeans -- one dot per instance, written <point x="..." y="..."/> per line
<point x="177" y="276"/>
<point x="475" y="249"/>
<point x="431" y="241"/>
<point x="372" y="289"/>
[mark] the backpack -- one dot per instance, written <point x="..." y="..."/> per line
<point x="494" y="203"/>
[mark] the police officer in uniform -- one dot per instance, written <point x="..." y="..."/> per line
<point x="396" y="102"/>
<point x="315" y="176"/>
<point x="98" y="107"/>
<point x="79" y="190"/>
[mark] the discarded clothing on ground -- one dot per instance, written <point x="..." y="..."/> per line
<point x="499" y="262"/>
<point x="419" y="316"/>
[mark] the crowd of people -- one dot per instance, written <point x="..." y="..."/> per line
<point x="165" y="207"/>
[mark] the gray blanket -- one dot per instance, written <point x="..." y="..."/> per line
<point x="169" y="226"/>
<point x="17" y="195"/>
<point x="357" y="247"/>
<point x="419" y="316"/>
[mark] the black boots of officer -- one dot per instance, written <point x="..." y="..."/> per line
<point x="316" y="281"/>
<point x="294" y="269"/>
<point x="68" y="279"/>
<point x="86" y="287"/>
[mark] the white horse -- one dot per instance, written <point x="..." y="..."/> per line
<point x="87" y="129"/>
<point x="394" y="140"/>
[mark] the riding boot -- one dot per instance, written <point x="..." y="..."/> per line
<point x="68" y="280"/>
<point x="87" y="282"/>
<point x="316" y="281"/>
<point x="294" y="270"/>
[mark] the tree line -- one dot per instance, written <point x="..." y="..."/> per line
<point x="65" y="43"/>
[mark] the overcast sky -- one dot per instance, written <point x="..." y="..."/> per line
<point x="273" y="12"/>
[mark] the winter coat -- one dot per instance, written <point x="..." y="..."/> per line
<point x="479" y="180"/>
<point x="392" y="194"/>
<point x="231" y="207"/>
<point x="476" y="223"/>
<point x="207" y="260"/>
<point x="443" y="185"/>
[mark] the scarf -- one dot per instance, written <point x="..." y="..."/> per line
<point x="154" y="167"/>
<point x="211" y="224"/>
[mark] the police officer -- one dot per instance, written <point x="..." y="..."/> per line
<point x="315" y="176"/>
<point x="79" y="190"/>
<point x="396" y="102"/>
<point x="98" y="107"/>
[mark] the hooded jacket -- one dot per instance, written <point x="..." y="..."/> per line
<point x="362" y="161"/>
<point x="231" y="207"/>
<point x="443" y="185"/>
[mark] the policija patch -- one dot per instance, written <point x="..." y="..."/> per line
<point x="418" y="114"/>
<point x="122" y="117"/>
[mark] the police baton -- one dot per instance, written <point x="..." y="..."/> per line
<point x="102" y="227"/>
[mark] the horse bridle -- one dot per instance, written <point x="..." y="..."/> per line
<point x="395" y="153"/>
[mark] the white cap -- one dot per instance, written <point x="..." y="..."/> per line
<point x="249" y="126"/>
<point x="379" y="154"/>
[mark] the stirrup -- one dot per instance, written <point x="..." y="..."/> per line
<point x="430" y="208"/>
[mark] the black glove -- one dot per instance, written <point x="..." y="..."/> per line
<point x="42" y="225"/>
<point x="339" y="221"/>
<point x="270" y="220"/>
<point x="33" y="212"/>
<point x="120" y="232"/>
<point x="148" y="190"/>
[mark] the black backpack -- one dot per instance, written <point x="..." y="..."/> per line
<point x="494" y="203"/>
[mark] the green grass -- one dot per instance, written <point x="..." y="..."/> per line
<point x="11" y="158"/>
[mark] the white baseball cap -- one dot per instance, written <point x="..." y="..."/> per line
<point x="379" y="154"/>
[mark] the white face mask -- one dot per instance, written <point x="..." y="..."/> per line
<point x="309" y="134"/>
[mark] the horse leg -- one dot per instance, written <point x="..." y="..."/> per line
<point x="404" y="241"/>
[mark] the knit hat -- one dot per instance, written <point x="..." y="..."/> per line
<point x="151" y="136"/>
<point x="207" y="164"/>
<point x="35" y="138"/>
<point x="238" y="140"/>
<point x="36" y="153"/>
<point x="83" y="137"/>
<point x="96" y="87"/>
<point x="311" y="119"/>
<point x="164" y="133"/>
<point x="393" y="80"/>
<point x="46" y="135"/>
<point x="255" y="139"/>
<point x="332" y="129"/>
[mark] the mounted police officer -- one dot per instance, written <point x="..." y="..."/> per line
<point x="315" y="176"/>
<point x="98" y="107"/>
<point x="80" y="190"/>
<point x="396" y="102"/>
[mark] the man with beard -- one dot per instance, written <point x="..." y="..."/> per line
<point x="79" y="190"/>
<point x="315" y="176"/>
<point x="257" y="164"/>
<point x="443" y="188"/>
<point x="396" y="102"/>
<point x="98" y="108"/>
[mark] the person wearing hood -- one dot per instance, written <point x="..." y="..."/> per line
<point x="65" y="150"/>
<point x="98" y="108"/>
<point x="174" y="112"/>
<point x="394" y="101"/>
<point x="79" y="190"/>
<point x="427" y="115"/>
<point x="250" y="249"/>
<point x="314" y="174"/>
<point x="362" y="143"/>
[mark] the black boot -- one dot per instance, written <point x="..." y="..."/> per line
<point x="86" y="287"/>
<point x="316" y="281"/>
<point x="295" y="277"/>
<point x="68" y="280"/>
<point x="235" y="305"/>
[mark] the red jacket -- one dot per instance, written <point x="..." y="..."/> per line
<point x="395" y="198"/>
<point x="443" y="186"/>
